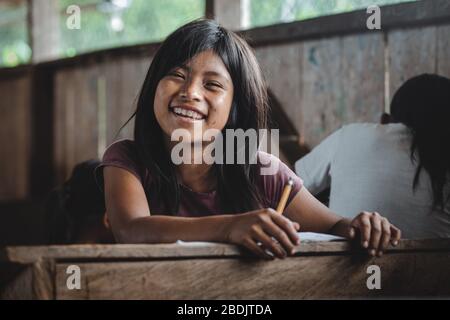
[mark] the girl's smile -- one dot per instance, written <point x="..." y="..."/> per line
<point x="199" y="92"/>
<point x="187" y="113"/>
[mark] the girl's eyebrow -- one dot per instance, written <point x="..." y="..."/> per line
<point x="207" y="73"/>
<point x="217" y="74"/>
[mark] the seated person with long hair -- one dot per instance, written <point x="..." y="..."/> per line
<point x="400" y="168"/>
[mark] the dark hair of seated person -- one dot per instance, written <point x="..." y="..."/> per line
<point x="75" y="211"/>
<point x="423" y="104"/>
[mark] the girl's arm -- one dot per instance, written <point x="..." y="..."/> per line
<point x="132" y="222"/>
<point x="314" y="168"/>
<point x="375" y="231"/>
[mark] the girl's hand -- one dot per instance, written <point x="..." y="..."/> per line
<point x="375" y="232"/>
<point x="259" y="226"/>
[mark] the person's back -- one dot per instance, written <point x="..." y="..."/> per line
<point x="368" y="167"/>
<point x="399" y="169"/>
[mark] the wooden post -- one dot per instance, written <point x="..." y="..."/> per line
<point x="43" y="26"/>
<point x="232" y="14"/>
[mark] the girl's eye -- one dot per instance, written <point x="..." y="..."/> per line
<point x="177" y="74"/>
<point x="214" y="85"/>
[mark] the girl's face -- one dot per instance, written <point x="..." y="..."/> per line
<point x="198" y="94"/>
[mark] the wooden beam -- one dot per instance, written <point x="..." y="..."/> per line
<point x="226" y="12"/>
<point x="8" y="4"/>
<point x="44" y="29"/>
<point x="27" y="254"/>
<point x="403" y="15"/>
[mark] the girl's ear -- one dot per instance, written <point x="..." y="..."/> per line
<point x="232" y="118"/>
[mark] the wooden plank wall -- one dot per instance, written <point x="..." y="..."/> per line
<point x="15" y="130"/>
<point x="416" y="51"/>
<point x="92" y="102"/>
<point x="326" y="83"/>
<point x="411" y="52"/>
<point x="443" y="50"/>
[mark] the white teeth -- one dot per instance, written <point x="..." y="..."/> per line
<point x="188" y="113"/>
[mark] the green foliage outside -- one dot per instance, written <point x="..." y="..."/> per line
<point x="143" y="21"/>
<point x="14" y="48"/>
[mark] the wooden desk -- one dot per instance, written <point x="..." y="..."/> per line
<point x="219" y="271"/>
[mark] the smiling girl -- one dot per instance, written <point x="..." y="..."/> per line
<point x="206" y="76"/>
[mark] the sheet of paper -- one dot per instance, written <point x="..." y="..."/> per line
<point x="313" y="236"/>
<point x="304" y="237"/>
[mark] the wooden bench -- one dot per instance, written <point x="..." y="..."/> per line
<point x="415" y="268"/>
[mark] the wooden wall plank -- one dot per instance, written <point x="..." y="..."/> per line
<point x="411" y="53"/>
<point x="15" y="137"/>
<point x="22" y="130"/>
<point x="85" y="129"/>
<point x="6" y="184"/>
<point x="321" y="89"/>
<point x="362" y="78"/>
<point x="343" y="82"/>
<point x="113" y="80"/>
<point x="78" y="93"/>
<point x="281" y="66"/>
<point x="71" y="101"/>
<point x="443" y="60"/>
<point x="124" y="78"/>
<point x="121" y="103"/>
<point x="76" y="131"/>
<point x="134" y="72"/>
<point x="59" y="125"/>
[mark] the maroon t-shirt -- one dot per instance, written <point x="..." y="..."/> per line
<point x="123" y="154"/>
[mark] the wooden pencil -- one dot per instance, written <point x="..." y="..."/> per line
<point x="285" y="196"/>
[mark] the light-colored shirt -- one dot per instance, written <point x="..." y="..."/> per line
<point x="369" y="168"/>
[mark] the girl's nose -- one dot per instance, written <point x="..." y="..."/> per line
<point x="191" y="91"/>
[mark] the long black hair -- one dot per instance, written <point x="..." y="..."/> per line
<point x="423" y="104"/>
<point x="237" y="184"/>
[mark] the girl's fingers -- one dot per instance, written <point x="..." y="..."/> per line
<point x="281" y="237"/>
<point x="351" y="232"/>
<point x="273" y="230"/>
<point x="375" y="233"/>
<point x="269" y="243"/>
<point x="396" y="234"/>
<point x="362" y="223"/>
<point x="259" y="251"/>
<point x="287" y="227"/>
<point x="385" y="237"/>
